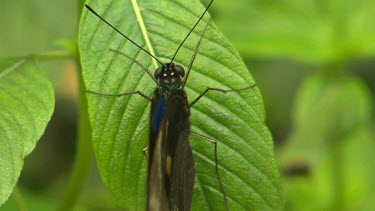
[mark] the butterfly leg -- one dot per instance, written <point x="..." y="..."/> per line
<point x="144" y="151"/>
<point x="122" y="94"/>
<point x="216" y="165"/>
<point x="220" y="90"/>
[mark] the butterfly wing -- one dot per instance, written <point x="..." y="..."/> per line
<point x="180" y="160"/>
<point x="156" y="192"/>
<point x="171" y="170"/>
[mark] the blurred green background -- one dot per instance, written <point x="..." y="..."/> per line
<point x="313" y="61"/>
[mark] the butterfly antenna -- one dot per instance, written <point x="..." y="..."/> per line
<point x="97" y="15"/>
<point x="200" y="18"/>
<point x="195" y="52"/>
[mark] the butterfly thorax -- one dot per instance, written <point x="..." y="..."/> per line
<point x="170" y="77"/>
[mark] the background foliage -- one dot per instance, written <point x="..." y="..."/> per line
<point x="313" y="61"/>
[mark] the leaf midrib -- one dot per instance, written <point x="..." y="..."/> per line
<point x="12" y="68"/>
<point x="144" y="30"/>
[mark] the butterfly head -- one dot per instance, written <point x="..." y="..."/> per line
<point x="170" y="76"/>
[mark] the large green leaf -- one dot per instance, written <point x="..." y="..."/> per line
<point x="307" y="30"/>
<point x="341" y="181"/>
<point x="331" y="135"/>
<point x="327" y="109"/>
<point x="26" y="106"/>
<point x="120" y="125"/>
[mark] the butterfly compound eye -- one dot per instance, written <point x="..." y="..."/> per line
<point x="179" y="70"/>
<point x="158" y="72"/>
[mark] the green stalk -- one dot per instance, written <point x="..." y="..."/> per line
<point x="337" y="176"/>
<point x="53" y="55"/>
<point x="83" y="158"/>
<point x="84" y="152"/>
<point x="17" y="196"/>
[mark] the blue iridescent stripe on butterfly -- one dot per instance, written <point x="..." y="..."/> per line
<point x="157" y="115"/>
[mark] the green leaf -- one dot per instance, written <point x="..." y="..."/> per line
<point x="332" y="135"/>
<point x="327" y="109"/>
<point x="120" y="124"/>
<point x="26" y="106"/>
<point x="349" y="174"/>
<point x="312" y="31"/>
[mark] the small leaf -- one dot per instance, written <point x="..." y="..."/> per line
<point x="349" y="172"/>
<point x="332" y="135"/>
<point x="26" y="106"/>
<point x="327" y="109"/>
<point x="120" y="125"/>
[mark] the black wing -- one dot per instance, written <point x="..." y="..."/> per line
<point x="180" y="177"/>
<point x="171" y="168"/>
<point x="156" y="192"/>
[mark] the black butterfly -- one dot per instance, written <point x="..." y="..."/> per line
<point x="171" y="168"/>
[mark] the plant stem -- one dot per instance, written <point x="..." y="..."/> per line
<point x="53" y="55"/>
<point x="19" y="199"/>
<point x="83" y="152"/>
<point x="338" y="177"/>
